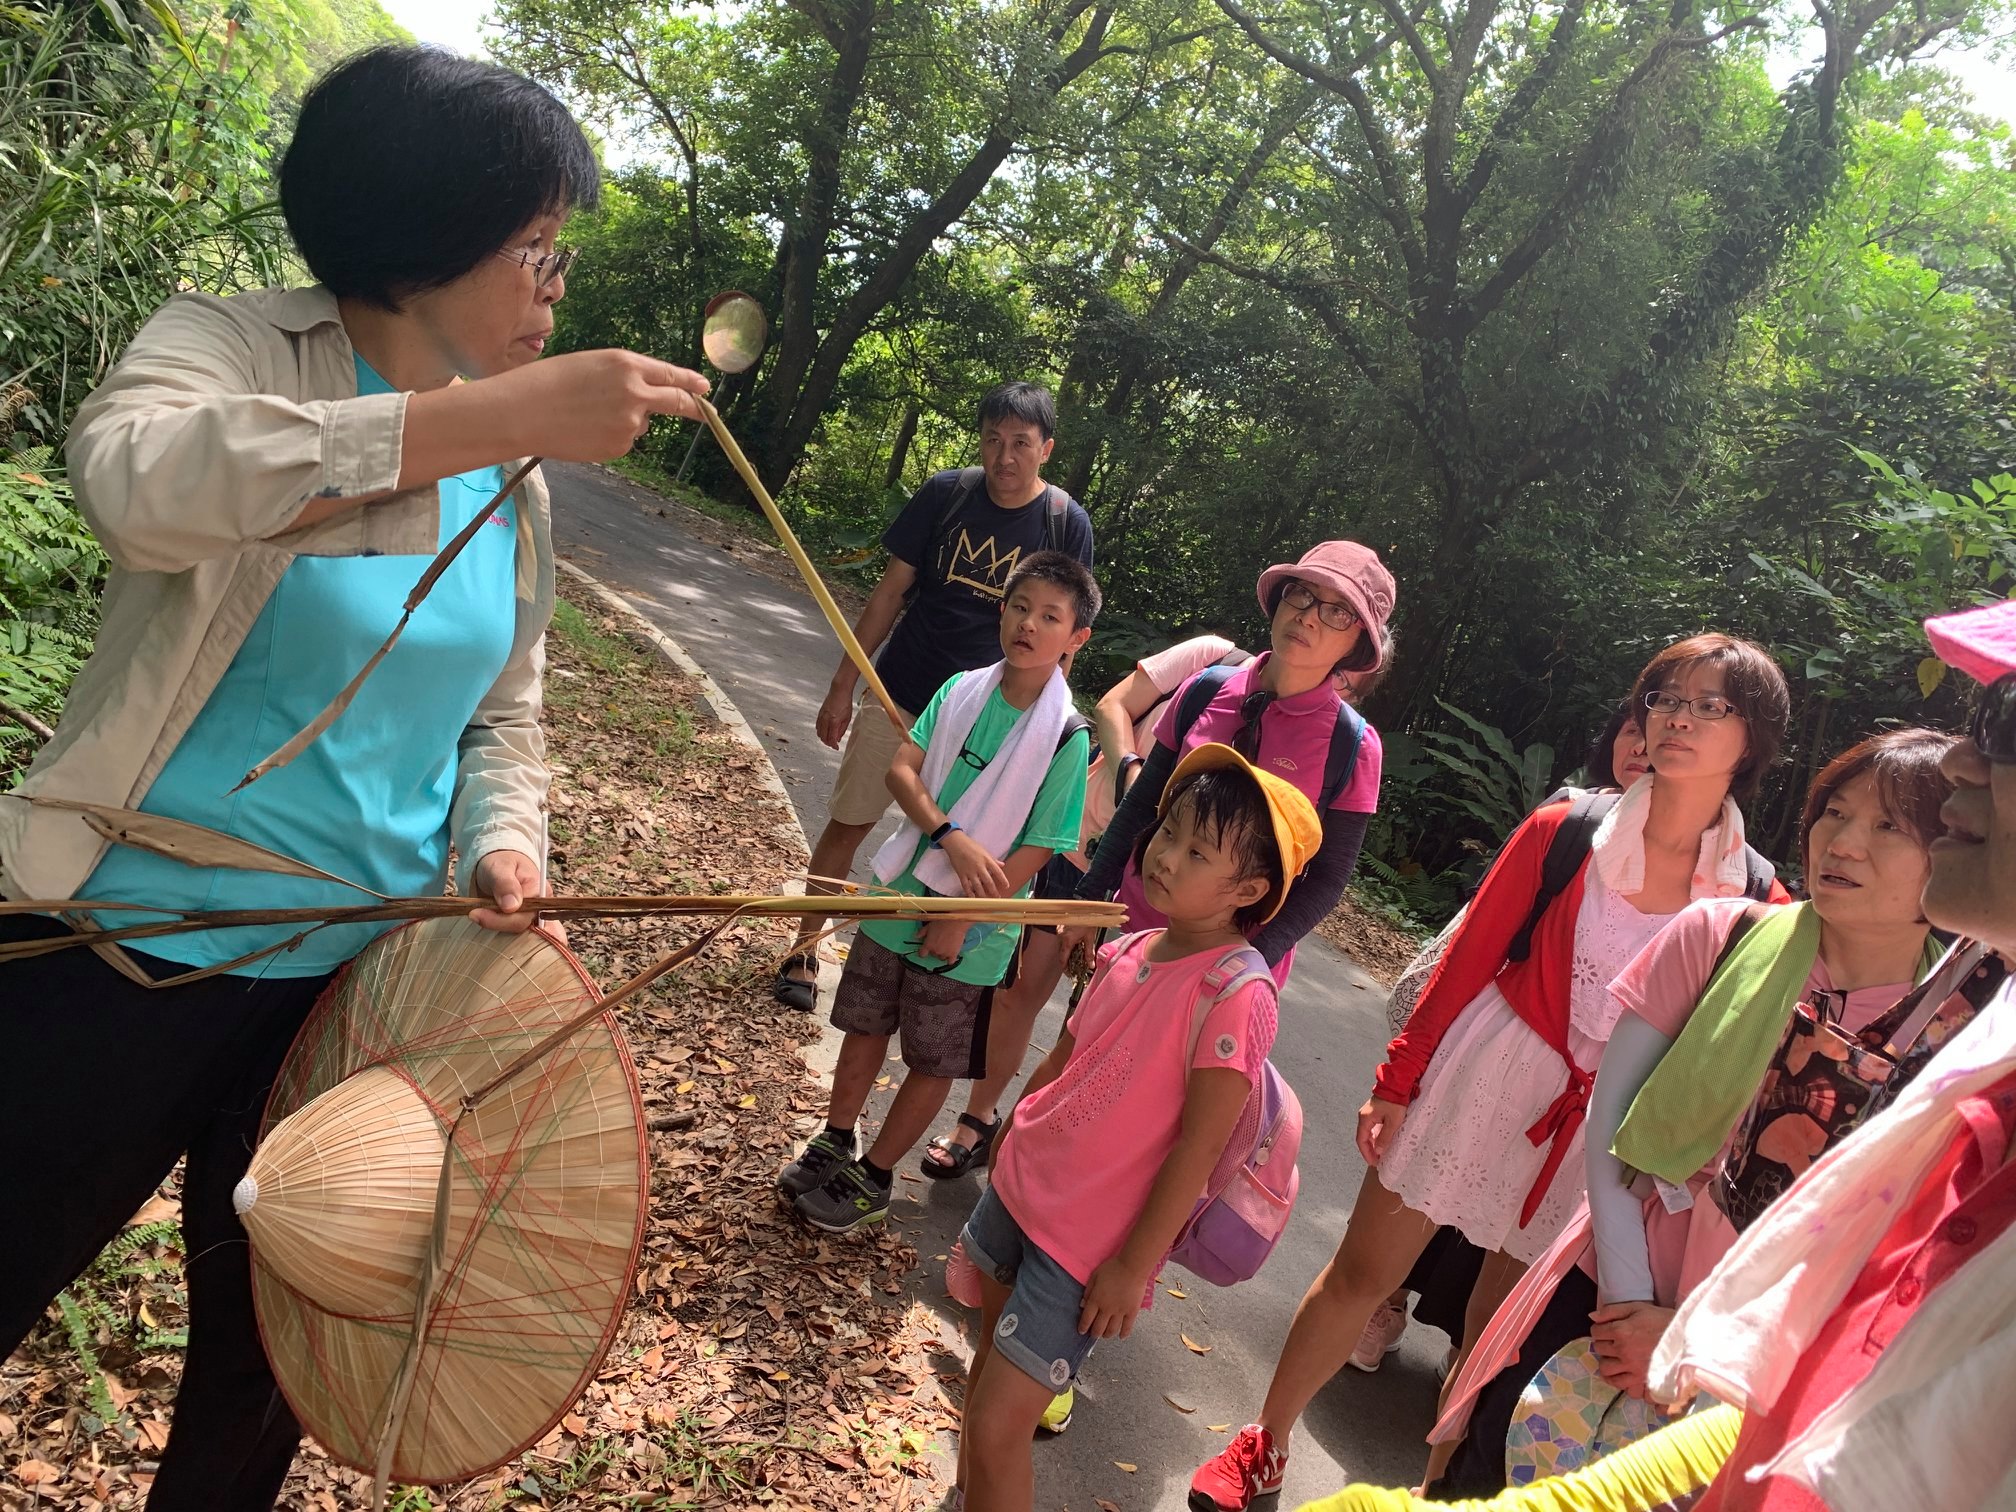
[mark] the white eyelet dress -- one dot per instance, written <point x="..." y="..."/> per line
<point x="1462" y="1156"/>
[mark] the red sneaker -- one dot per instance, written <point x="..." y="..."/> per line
<point x="1247" y="1467"/>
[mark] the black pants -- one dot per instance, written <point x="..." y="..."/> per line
<point x="108" y="1083"/>
<point x="1442" y="1280"/>
<point x="1478" y="1466"/>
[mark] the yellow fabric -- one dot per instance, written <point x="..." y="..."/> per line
<point x="1297" y="830"/>
<point x="1664" y="1471"/>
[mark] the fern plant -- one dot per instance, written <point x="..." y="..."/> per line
<point x="1499" y="785"/>
<point x="51" y="568"/>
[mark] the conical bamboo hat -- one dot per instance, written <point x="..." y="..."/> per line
<point x="547" y="1187"/>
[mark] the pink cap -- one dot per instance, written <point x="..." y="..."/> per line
<point x="1980" y="642"/>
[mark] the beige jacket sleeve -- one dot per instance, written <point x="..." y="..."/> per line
<point x="188" y="451"/>
<point x="501" y="777"/>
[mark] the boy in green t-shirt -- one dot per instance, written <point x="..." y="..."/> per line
<point x="934" y="982"/>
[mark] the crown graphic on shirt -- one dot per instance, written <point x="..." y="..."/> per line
<point x="982" y="567"/>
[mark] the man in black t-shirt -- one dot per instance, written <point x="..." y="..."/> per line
<point x="951" y="552"/>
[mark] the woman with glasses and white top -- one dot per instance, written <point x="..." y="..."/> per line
<point x="1475" y="1119"/>
<point x="270" y="474"/>
<point x="1283" y="713"/>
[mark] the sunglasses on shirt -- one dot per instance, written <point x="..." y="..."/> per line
<point x="1992" y="725"/>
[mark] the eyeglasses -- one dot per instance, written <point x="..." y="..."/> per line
<point x="1710" y="707"/>
<point x="1246" y="739"/>
<point x="1300" y="598"/>
<point x="1992" y="725"/>
<point x="545" y="266"/>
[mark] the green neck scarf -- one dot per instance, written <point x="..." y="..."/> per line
<point x="1705" y="1083"/>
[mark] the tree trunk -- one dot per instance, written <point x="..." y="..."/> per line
<point x="892" y="476"/>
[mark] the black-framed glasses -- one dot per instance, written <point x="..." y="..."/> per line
<point x="1710" y="707"/>
<point x="545" y="266"/>
<point x="1246" y="739"/>
<point x="1300" y="597"/>
<point x="1992" y="725"/>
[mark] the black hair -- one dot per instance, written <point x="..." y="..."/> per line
<point x="1601" y="762"/>
<point x="410" y="165"/>
<point x="1027" y="402"/>
<point x="1228" y="806"/>
<point x="1362" y="656"/>
<point x="1060" y="570"/>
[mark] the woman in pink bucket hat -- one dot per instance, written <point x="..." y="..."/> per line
<point x="1327" y="616"/>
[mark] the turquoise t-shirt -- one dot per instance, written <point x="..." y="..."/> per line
<point x="1052" y="823"/>
<point x="369" y="800"/>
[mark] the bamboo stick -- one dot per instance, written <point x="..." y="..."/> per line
<point x="1052" y="911"/>
<point x="806" y="570"/>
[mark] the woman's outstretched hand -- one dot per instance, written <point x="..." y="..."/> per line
<point x="592" y="406"/>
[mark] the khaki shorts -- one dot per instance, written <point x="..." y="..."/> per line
<point x="861" y="791"/>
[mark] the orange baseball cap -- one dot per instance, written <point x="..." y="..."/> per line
<point x="1297" y="830"/>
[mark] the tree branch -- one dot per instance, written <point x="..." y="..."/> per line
<point x="1605" y="143"/>
<point x="1394" y="209"/>
<point x="1523" y="102"/>
<point x="1313" y="297"/>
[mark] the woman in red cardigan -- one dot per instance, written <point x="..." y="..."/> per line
<point x="1475" y="1119"/>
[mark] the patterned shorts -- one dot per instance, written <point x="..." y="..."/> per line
<point x="943" y="1023"/>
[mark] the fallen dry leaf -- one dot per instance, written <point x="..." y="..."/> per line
<point x="1221" y="1427"/>
<point x="1122" y="1464"/>
<point x="34" y="1472"/>
<point x="1176" y="1404"/>
<point x="1104" y="1505"/>
<point x="1179" y="1296"/>
<point x="1193" y="1346"/>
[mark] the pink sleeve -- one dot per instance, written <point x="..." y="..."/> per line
<point x="1665" y="980"/>
<point x="1170" y="668"/>
<point x="1239" y="1031"/>
<point x="1361" y="793"/>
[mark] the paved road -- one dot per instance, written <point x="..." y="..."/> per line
<point x="770" y="651"/>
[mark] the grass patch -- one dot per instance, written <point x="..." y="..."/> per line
<point x="600" y="677"/>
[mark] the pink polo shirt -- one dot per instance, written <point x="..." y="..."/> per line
<point x="1294" y="745"/>
<point x="1082" y="1154"/>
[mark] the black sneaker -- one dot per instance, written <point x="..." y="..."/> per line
<point x="811" y="1170"/>
<point x="848" y="1201"/>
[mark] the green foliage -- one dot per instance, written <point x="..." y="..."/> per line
<point x="50" y="569"/>
<point x="94" y="1307"/>
<point x="1498" y="785"/>
<point x="128" y="169"/>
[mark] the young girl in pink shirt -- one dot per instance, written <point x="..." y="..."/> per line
<point x="1111" y="1145"/>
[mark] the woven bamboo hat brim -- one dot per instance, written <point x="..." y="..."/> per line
<point x="548" y="1183"/>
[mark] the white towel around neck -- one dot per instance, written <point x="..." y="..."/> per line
<point x="1619" y="847"/>
<point x="996" y="808"/>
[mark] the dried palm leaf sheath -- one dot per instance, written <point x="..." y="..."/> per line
<point x="547" y="1187"/>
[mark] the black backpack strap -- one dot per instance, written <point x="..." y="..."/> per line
<point x="1073" y="723"/>
<point x="970" y="478"/>
<point x="1565" y="854"/>
<point x="1752" y="915"/>
<point x="1759" y="875"/>
<point x="1197" y="696"/>
<point x="1345" y="742"/>
<point x="1057" y="504"/>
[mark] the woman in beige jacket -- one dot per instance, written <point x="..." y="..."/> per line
<point x="270" y="473"/>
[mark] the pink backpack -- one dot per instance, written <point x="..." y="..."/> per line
<point x="1246" y="1201"/>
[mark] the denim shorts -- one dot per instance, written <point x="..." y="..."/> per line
<point x="1038" y="1329"/>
